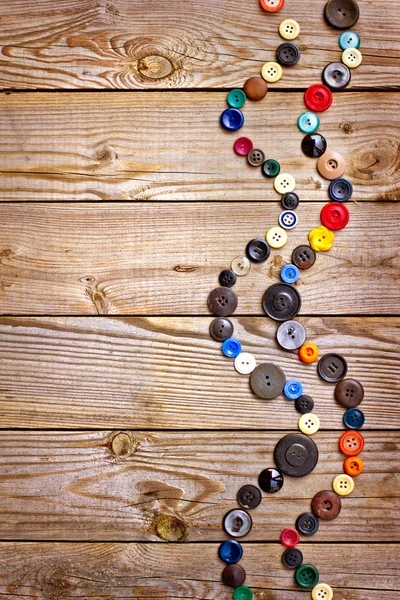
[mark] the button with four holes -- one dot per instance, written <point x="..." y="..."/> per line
<point x="290" y="201"/>
<point x="292" y="558"/>
<point x="272" y="5"/>
<point x="289" y="537"/>
<point x="321" y="238"/>
<point x="331" y="165"/>
<point x="230" y="551"/>
<point x="227" y="278"/>
<point x="326" y="505"/>
<point x="307" y="524"/>
<point x="267" y="381"/>
<point x="304" y="404"/>
<point x="318" y="97"/>
<point x="308" y="353"/>
<point x="293" y="389"/>
<point x="222" y="301"/>
<point x="236" y="98"/>
<point x="271" y="72"/>
<point x="349" y="393"/>
<point x="343" y="485"/>
<point x="221" y="329"/>
<point x="341" y="14"/>
<point x="308" y="122"/>
<point x="291" y="335"/>
<point x="281" y="302"/>
<point x="243" y="146"/>
<point x="336" y="76"/>
<point x="237" y="522"/>
<point x="334" y="215"/>
<point x="313" y="145"/>
<point x="349" y="39"/>
<point x="270" y="480"/>
<point x="270" y="168"/>
<point x="352" y="58"/>
<point x="309" y="423"/>
<point x="240" y="265"/>
<point x="322" y="591"/>
<point x="284" y="183"/>
<point x="303" y="257"/>
<point x="245" y="363"/>
<point x="255" y="157"/>
<point x="340" y="190"/>
<point x="353" y="465"/>
<point x="276" y="237"/>
<point x="351" y="443"/>
<point x="258" y="250"/>
<point x="332" y="367"/>
<point x="353" y="418"/>
<point x="231" y="348"/>
<point x="290" y="273"/>
<point x="288" y="54"/>
<point x="232" y="119"/>
<point x="249" y="496"/>
<point x="289" y="29"/>
<point x="288" y="219"/>
<point x="306" y="576"/>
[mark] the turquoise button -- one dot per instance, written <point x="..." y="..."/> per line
<point x="308" y="122"/>
<point x="242" y="593"/>
<point x="349" y="39"/>
<point x="236" y="98"/>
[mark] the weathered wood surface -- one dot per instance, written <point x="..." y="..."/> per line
<point x="171" y="147"/>
<point x="120" y="44"/>
<point x="168" y="373"/>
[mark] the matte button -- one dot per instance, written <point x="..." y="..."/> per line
<point x="237" y="522"/>
<point x="313" y="145"/>
<point x="230" y="551"/>
<point x="303" y="257"/>
<point x="332" y="367"/>
<point x="293" y="389"/>
<point x="233" y="575"/>
<point x="326" y="505"/>
<point x="309" y="423"/>
<point x="267" y="381"/>
<point x="352" y="58"/>
<point x="270" y="481"/>
<point x="258" y="250"/>
<point x="341" y="14"/>
<point x="349" y="393"/>
<point x="281" y="302"/>
<point x="245" y="363"/>
<point x="243" y="146"/>
<point x="289" y="29"/>
<point x="255" y="88"/>
<point x="321" y="238"/>
<point x="304" y="404"/>
<point x="270" y="168"/>
<point x="276" y="237"/>
<point x="289" y="537"/>
<point x="353" y="465"/>
<point x="272" y="5"/>
<point x="353" y="418"/>
<point x="240" y="265"/>
<point x="291" y="335"/>
<point x="349" y="39"/>
<point x="284" y="183"/>
<point x="271" y="72"/>
<point x="306" y="576"/>
<point x="288" y="54"/>
<point x="242" y="592"/>
<point x="296" y="455"/>
<point x="318" y="97"/>
<point x="340" y="190"/>
<point x="351" y="443"/>
<point x="290" y="201"/>
<point x="308" y="122"/>
<point x="322" y="591"/>
<point x="336" y="76"/>
<point x="255" y="157"/>
<point x="290" y="273"/>
<point x="222" y="302"/>
<point x="331" y="165"/>
<point x="227" y="278"/>
<point x="232" y="119"/>
<point x="307" y="524"/>
<point x="308" y="353"/>
<point x="249" y="496"/>
<point x="236" y="98"/>
<point x="231" y="348"/>
<point x="334" y="215"/>
<point x="292" y="558"/>
<point x="221" y="329"/>
<point x="343" y="485"/>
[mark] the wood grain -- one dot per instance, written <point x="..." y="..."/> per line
<point x="120" y="44"/>
<point x="171" y="147"/>
<point x="168" y="373"/>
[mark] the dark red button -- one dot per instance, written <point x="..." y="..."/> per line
<point x="334" y="216"/>
<point x="318" y="97"/>
<point x="290" y="537"/>
<point x="243" y="146"/>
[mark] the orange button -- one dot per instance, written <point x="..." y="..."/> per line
<point x="351" y="443"/>
<point x="308" y="352"/>
<point x="272" y="5"/>
<point x="353" y="465"/>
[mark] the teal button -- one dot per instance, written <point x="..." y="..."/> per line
<point x="271" y="168"/>
<point x="236" y="98"/>
<point x="242" y="593"/>
<point x="349" y="39"/>
<point x="308" y="122"/>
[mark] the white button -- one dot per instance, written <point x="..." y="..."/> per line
<point x="288" y="219"/>
<point x="241" y="265"/>
<point x="245" y="363"/>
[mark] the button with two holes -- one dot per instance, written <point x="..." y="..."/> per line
<point x="296" y="455"/>
<point x="232" y="119"/>
<point x="270" y="168"/>
<point x="249" y="496"/>
<point x="281" y="302"/>
<point x="221" y="329"/>
<point x="332" y="367"/>
<point x="267" y="381"/>
<point x="240" y="265"/>
<point x="341" y="14"/>
<point x="290" y="273"/>
<point x="291" y="335"/>
<point x="340" y="190"/>
<point x="258" y="250"/>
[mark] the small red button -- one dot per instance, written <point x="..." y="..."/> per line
<point x="243" y="146"/>
<point x="290" y="537"/>
<point x="335" y="215"/>
<point x="318" y="97"/>
<point x="351" y="443"/>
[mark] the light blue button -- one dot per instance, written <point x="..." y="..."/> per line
<point x="231" y="348"/>
<point x="308" y="122"/>
<point x="293" y="389"/>
<point x="290" y="273"/>
<point x="349" y="39"/>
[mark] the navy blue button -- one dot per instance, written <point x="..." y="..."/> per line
<point x="293" y="389"/>
<point x="232" y="119"/>
<point x="353" y="418"/>
<point x="231" y="347"/>
<point x="290" y="273"/>
<point x="340" y="190"/>
<point x="230" y="551"/>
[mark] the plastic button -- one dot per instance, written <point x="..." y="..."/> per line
<point x="245" y="363"/>
<point x="304" y="404"/>
<point x="242" y="592"/>
<point x="237" y="522"/>
<point x="231" y="348"/>
<point x="236" y="98"/>
<point x="290" y="201"/>
<point x="321" y="239"/>
<point x="351" y="443"/>
<point x="249" y="496"/>
<point x="272" y="5"/>
<point x="227" y="278"/>
<point x="334" y="216"/>
<point x="288" y="54"/>
<point x="288" y="219"/>
<point x="341" y="14"/>
<point x="306" y="576"/>
<point x="243" y="146"/>
<point x="271" y="72"/>
<point x="349" y="393"/>
<point x="230" y="551"/>
<point x="303" y="257"/>
<point x="326" y="505"/>
<point x="296" y="455"/>
<point x="352" y="58"/>
<point x="284" y="183"/>
<point x="332" y="367"/>
<point x="353" y="465"/>
<point x="290" y="273"/>
<point x="313" y="145"/>
<point x="289" y="29"/>
<point x="222" y="302"/>
<point x="271" y="168"/>
<point x="293" y="389"/>
<point x="255" y="157"/>
<point x="343" y="485"/>
<point x="309" y="423"/>
<point x="336" y="76"/>
<point x="221" y="329"/>
<point x="308" y="353"/>
<point x="307" y="524"/>
<point x="240" y="265"/>
<point x="349" y="39"/>
<point x="232" y="119"/>
<point x="331" y="165"/>
<point x="340" y="190"/>
<point x="281" y="302"/>
<point x="267" y="381"/>
<point x="233" y="575"/>
<point x="291" y="335"/>
<point x="322" y="591"/>
<point x="318" y="97"/>
<point x="289" y="537"/>
<point x="308" y="122"/>
<point x="270" y="481"/>
<point x="255" y="88"/>
<point x="276" y="237"/>
<point x="292" y="558"/>
<point x="353" y="418"/>
<point x="258" y="250"/>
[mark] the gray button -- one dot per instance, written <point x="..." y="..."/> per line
<point x="256" y="157"/>
<point x="336" y="76"/>
<point x="237" y="523"/>
<point x="332" y="368"/>
<point x="267" y="381"/>
<point x="221" y="329"/>
<point x="291" y="335"/>
<point x="296" y="455"/>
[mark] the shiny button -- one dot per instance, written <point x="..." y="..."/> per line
<point x="270" y="481"/>
<point x="343" y="485"/>
<point x="236" y="98"/>
<point x="353" y="465"/>
<point x="331" y="165"/>
<point x="296" y="455"/>
<point x="308" y="122"/>
<point x="271" y="72"/>
<point x="270" y="168"/>
<point x="281" y="302"/>
<point x="307" y="524"/>
<point x="272" y="5"/>
<point x="258" y="250"/>
<point x="291" y="335"/>
<point x="336" y="76"/>
<point x="332" y="367"/>
<point x="303" y="257"/>
<point x="318" y="97"/>
<point x="293" y="389"/>
<point x="249" y="496"/>
<point x="308" y="353"/>
<point x="304" y="404"/>
<point x="230" y="551"/>
<point x="349" y="39"/>
<point x="222" y="302"/>
<point x="290" y="273"/>
<point x="221" y="329"/>
<point x="326" y="505"/>
<point x="255" y="88"/>
<point x="231" y="348"/>
<point x="240" y="265"/>
<point x="289" y="537"/>
<point x="292" y="558"/>
<point x="255" y="157"/>
<point x="245" y="363"/>
<point x="233" y="575"/>
<point x="232" y="119"/>
<point x="322" y="591"/>
<point x="288" y="219"/>
<point x="288" y="54"/>
<point x="352" y="58"/>
<point x="267" y="381"/>
<point x="242" y="592"/>
<point x="289" y="29"/>
<point x="306" y="576"/>
<point x="313" y="145"/>
<point x="276" y="237"/>
<point x="351" y="443"/>
<point x="321" y="239"/>
<point x="349" y="393"/>
<point x="284" y="183"/>
<point x="353" y="418"/>
<point x="227" y="278"/>
<point x="341" y="14"/>
<point x="309" y="423"/>
<point x="243" y="146"/>
<point x="334" y="215"/>
<point x="290" y="201"/>
<point x="237" y="522"/>
<point x="340" y="190"/>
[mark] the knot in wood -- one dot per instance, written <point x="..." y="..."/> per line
<point x="155" y="66"/>
<point x="123" y="444"/>
<point x="170" y="528"/>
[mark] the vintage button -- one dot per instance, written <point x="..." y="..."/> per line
<point x="293" y="389"/>
<point x="296" y="455"/>
<point x="334" y="215"/>
<point x="318" y="97"/>
<point x="340" y="190"/>
<point x="289" y="273"/>
<point x="349" y="393"/>
<point x="351" y="443"/>
<point x="281" y="302"/>
<point x="240" y="265"/>
<point x="249" y="496"/>
<point x="230" y="551"/>
<point x="326" y="505"/>
<point x="290" y="201"/>
<point x="284" y="183"/>
<point x="222" y="302"/>
<point x="267" y="381"/>
<point x="227" y="278"/>
<point x="353" y="465"/>
<point x="349" y="39"/>
<point x="231" y="348"/>
<point x="343" y="485"/>
<point x="272" y="5"/>
<point x="270" y="168"/>
<point x="271" y="72"/>
<point x="304" y="404"/>
<point x="236" y="98"/>
<point x="307" y="524"/>
<point x="336" y="76"/>
<point x="321" y="239"/>
<point x="289" y="537"/>
<point x="353" y="418"/>
<point x="233" y="575"/>
<point x="245" y="363"/>
<point x="232" y="119"/>
<point x="291" y="335"/>
<point x="221" y="329"/>
<point x="352" y="58"/>
<point x="289" y="29"/>
<point x="331" y="165"/>
<point x="308" y="353"/>
<point x="243" y="146"/>
<point x="313" y="145"/>
<point x="292" y="558"/>
<point x="322" y="591"/>
<point x="270" y="481"/>
<point x="242" y="592"/>
<point x="255" y="88"/>
<point x="303" y="257"/>
<point x="332" y="367"/>
<point x="288" y="54"/>
<point x="237" y="522"/>
<point x="309" y="423"/>
<point x="255" y="157"/>
<point x="308" y="122"/>
<point x="288" y="219"/>
<point x="306" y="576"/>
<point x="341" y="14"/>
<point x="276" y="237"/>
<point x="258" y="250"/>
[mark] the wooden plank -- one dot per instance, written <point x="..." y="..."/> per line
<point x="171" y="147"/>
<point x="167" y="373"/>
<point x="123" y="44"/>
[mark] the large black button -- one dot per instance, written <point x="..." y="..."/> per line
<point x="249" y="496"/>
<point x="227" y="278"/>
<point x="307" y="524"/>
<point x="267" y="381"/>
<point x="288" y="54"/>
<point x="292" y="558"/>
<point x="270" y="480"/>
<point x="304" y="404"/>
<point x="336" y="76"/>
<point x="313" y="145"/>
<point x="341" y="14"/>
<point x="258" y="250"/>
<point x="281" y="302"/>
<point x="332" y="367"/>
<point x="296" y="455"/>
<point x="221" y="329"/>
<point x="303" y="257"/>
<point x="222" y="302"/>
<point x="290" y="201"/>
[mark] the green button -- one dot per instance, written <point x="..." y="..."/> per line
<point x="306" y="576"/>
<point x="242" y="593"/>
<point x="271" y="168"/>
<point x="236" y="98"/>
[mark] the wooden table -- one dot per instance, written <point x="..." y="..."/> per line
<point x="123" y="426"/>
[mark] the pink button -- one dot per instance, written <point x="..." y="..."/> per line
<point x="243" y="146"/>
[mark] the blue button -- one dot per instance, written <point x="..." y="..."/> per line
<point x="231" y="347"/>
<point x="232" y="119"/>
<point x="293" y="389"/>
<point x="353" y="418"/>
<point x="340" y="190"/>
<point x="349" y="39"/>
<point x="308" y="122"/>
<point x="230" y="551"/>
<point x="290" y="273"/>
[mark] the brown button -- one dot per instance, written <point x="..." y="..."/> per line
<point x="349" y="393"/>
<point x="341" y="14"/>
<point x="326" y="505"/>
<point x="331" y="165"/>
<point x="222" y="302"/>
<point x="233" y="575"/>
<point x="221" y="329"/>
<point x="255" y="88"/>
<point x="267" y="381"/>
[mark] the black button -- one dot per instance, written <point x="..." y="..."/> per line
<point x="292" y="558"/>
<point x="222" y="302"/>
<point x="303" y="257"/>
<point x="307" y="524"/>
<point x="233" y="575"/>
<point x="296" y="455"/>
<point x="332" y="367"/>
<point x="221" y="329"/>
<point x="336" y="76"/>
<point x="258" y="250"/>
<point x="290" y="201"/>
<point x="227" y="278"/>
<point x="304" y="404"/>
<point x="281" y="302"/>
<point x="270" y="480"/>
<point x="313" y="145"/>
<point x="288" y="54"/>
<point x="267" y="381"/>
<point x="249" y="496"/>
<point x="341" y="14"/>
<point x="340" y="190"/>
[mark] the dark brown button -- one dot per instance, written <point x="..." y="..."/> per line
<point x="281" y="302"/>
<point x="342" y="14"/>
<point x="296" y="455"/>
<point x="270" y="480"/>
<point x="249" y="496"/>
<point x="349" y="393"/>
<point x="227" y="278"/>
<point x="326" y="505"/>
<point x="222" y="302"/>
<point x="233" y="575"/>
<point x="288" y="54"/>
<point x="313" y="145"/>
<point x="221" y="329"/>
<point x="303" y="257"/>
<point x="332" y="367"/>
<point x="255" y="88"/>
<point x="267" y="381"/>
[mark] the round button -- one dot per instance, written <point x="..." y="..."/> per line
<point x="231" y="348"/>
<point x="335" y="216"/>
<point x="255" y="88"/>
<point x="306" y="576"/>
<point x="245" y="363"/>
<point x="289" y="537"/>
<point x="270" y="481"/>
<point x="353" y="465"/>
<point x="309" y="423"/>
<point x="353" y="418"/>
<point x="349" y="39"/>
<point x="308" y="122"/>
<point x="249" y="496"/>
<point x="290" y="201"/>
<point x="276" y="237"/>
<point x="351" y="443"/>
<point x="307" y="524"/>
<point x="332" y="367"/>
<point x="288" y="54"/>
<point x="322" y="591"/>
<point x="296" y="455"/>
<point x="284" y="183"/>
<point x="349" y="393"/>
<point x="304" y="404"/>
<point x="340" y="190"/>
<point x="230" y="551"/>
<point x="303" y="257"/>
<point x="292" y="558"/>
<point x="237" y="522"/>
<point x="326" y="505"/>
<point x="313" y="145"/>
<point x="267" y="381"/>
<point x="352" y="58"/>
<point x="255" y="157"/>
<point x="233" y="575"/>
<point x="270" y="168"/>
<point x="290" y="273"/>
<point x="272" y="5"/>
<point x="336" y="76"/>
<point x="243" y="146"/>
<point x="221" y="329"/>
<point x="321" y="239"/>
<point x="240" y="265"/>
<point x="281" y="302"/>
<point x="258" y="250"/>
<point x="291" y="335"/>
<point x="343" y="485"/>
<point x="227" y="278"/>
<point x="236" y="98"/>
<point x="271" y="72"/>
<point x="232" y="119"/>
<point x="293" y="389"/>
<point x="222" y="302"/>
<point x="289" y="29"/>
<point x="288" y="219"/>
<point x="341" y="14"/>
<point x="242" y="592"/>
<point x="308" y="353"/>
<point x="331" y="165"/>
<point x="318" y="97"/>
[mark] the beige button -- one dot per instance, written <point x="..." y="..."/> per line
<point x="241" y="265"/>
<point x="276" y="237"/>
<point x="284" y="183"/>
<point x="289" y="29"/>
<point x="331" y="165"/>
<point x="271" y="72"/>
<point x="352" y="58"/>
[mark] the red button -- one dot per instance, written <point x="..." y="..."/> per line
<point x="272" y="5"/>
<point x="351" y="443"/>
<point x="243" y="146"/>
<point x="334" y="216"/>
<point x="290" y="537"/>
<point x="318" y="97"/>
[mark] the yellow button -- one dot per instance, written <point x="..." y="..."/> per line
<point x="284" y="183"/>
<point x="271" y="72"/>
<point x="289" y="29"/>
<point x="343" y="485"/>
<point x="309" y="423"/>
<point x="321" y="238"/>
<point x="276" y="237"/>
<point x="352" y="58"/>
<point x="322" y="591"/>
